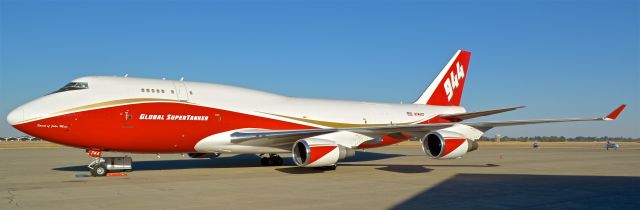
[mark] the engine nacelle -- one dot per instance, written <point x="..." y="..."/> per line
<point x="319" y="152"/>
<point x="444" y="144"/>
<point x="203" y="155"/>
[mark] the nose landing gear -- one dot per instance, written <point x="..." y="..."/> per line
<point x="97" y="168"/>
<point x="102" y="166"/>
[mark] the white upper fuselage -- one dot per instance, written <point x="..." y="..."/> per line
<point x="109" y="88"/>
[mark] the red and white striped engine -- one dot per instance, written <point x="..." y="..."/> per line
<point x="319" y="152"/>
<point x="443" y="144"/>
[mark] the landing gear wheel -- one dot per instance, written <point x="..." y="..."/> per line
<point x="326" y="168"/>
<point x="99" y="170"/>
<point x="278" y="161"/>
<point x="332" y="167"/>
<point x="272" y="160"/>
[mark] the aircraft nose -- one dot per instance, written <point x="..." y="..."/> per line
<point x="15" y="116"/>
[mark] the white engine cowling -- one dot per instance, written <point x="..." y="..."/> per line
<point x="444" y="144"/>
<point x="319" y="152"/>
<point x="203" y="155"/>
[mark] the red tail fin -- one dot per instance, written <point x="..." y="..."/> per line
<point x="446" y="89"/>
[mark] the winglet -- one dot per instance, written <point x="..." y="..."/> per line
<point x="613" y="115"/>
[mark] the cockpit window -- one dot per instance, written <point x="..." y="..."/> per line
<point x="73" y="86"/>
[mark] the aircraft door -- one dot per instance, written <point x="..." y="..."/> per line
<point x="126" y="118"/>
<point x="181" y="91"/>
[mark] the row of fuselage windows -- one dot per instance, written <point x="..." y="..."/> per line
<point x="147" y="90"/>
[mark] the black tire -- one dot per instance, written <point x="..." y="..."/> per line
<point x="326" y="168"/>
<point x="278" y="161"/>
<point x="99" y="170"/>
<point x="271" y="161"/>
<point x="263" y="161"/>
<point x="331" y="167"/>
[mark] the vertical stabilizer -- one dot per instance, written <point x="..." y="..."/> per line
<point x="446" y="89"/>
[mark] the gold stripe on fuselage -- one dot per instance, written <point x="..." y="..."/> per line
<point x="338" y="124"/>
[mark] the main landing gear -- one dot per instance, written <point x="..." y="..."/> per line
<point x="101" y="166"/>
<point x="326" y="168"/>
<point x="271" y="160"/>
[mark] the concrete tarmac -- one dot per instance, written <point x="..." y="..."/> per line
<point x="497" y="176"/>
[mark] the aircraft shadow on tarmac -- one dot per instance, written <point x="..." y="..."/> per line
<point x="219" y="162"/>
<point x="368" y="156"/>
<point x="418" y="168"/>
<point x="510" y="191"/>
<point x="236" y="161"/>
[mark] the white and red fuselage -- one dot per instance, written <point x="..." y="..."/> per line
<point x="103" y="113"/>
<point x="164" y="116"/>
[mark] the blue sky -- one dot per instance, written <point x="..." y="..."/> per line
<point x="559" y="58"/>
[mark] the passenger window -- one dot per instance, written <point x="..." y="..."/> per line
<point x="162" y="90"/>
<point x="142" y="90"/>
<point x="191" y="92"/>
<point x="153" y="90"/>
<point x="171" y="91"/>
<point x="148" y="90"/>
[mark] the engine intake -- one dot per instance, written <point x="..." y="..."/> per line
<point x="444" y="144"/>
<point x="319" y="152"/>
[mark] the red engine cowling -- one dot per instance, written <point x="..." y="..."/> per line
<point x="319" y="152"/>
<point x="444" y="144"/>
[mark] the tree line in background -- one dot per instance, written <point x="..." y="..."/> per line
<point x="558" y="138"/>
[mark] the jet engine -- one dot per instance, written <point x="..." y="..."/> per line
<point x="443" y="144"/>
<point x="203" y="155"/>
<point x="319" y="152"/>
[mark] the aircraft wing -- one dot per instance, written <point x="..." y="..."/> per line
<point x="488" y="125"/>
<point x="282" y="137"/>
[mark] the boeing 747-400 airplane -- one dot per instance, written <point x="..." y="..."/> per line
<point x="102" y="113"/>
